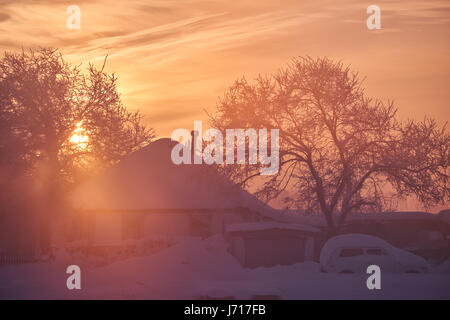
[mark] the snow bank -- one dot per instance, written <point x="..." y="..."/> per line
<point x="203" y="269"/>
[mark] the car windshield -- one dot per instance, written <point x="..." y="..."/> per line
<point x="351" y="252"/>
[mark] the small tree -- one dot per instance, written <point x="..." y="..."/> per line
<point x="339" y="150"/>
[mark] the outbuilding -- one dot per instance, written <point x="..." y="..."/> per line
<point x="270" y="243"/>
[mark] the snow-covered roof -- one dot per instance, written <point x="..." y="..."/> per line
<point x="398" y="215"/>
<point x="262" y="225"/>
<point x="148" y="179"/>
<point x="318" y="220"/>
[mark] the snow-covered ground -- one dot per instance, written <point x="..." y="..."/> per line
<point x="195" y="269"/>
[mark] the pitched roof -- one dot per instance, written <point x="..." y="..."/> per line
<point x="148" y="179"/>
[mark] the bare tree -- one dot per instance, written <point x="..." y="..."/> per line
<point x="43" y="102"/>
<point x="339" y="150"/>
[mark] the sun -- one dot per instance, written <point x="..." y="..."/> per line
<point x="79" y="136"/>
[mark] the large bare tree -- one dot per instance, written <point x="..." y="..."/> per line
<point x="340" y="151"/>
<point x="44" y="101"/>
<point x="44" y="104"/>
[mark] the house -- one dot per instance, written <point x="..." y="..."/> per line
<point x="147" y="198"/>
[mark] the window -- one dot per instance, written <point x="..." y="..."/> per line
<point x="132" y="226"/>
<point x="351" y="252"/>
<point x="376" y="252"/>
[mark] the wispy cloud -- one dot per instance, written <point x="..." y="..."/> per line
<point x="174" y="57"/>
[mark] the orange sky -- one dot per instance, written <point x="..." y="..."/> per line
<point x="174" y="57"/>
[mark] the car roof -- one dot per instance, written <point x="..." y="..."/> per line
<point x="351" y="240"/>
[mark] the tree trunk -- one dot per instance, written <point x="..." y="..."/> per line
<point x="45" y="233"/>
<point x="51" y="199"/>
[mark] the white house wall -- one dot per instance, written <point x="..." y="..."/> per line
<point x="166" y="224"/>
<point x="108" y="229"/>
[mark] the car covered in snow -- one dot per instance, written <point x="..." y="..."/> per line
<point x="353" y="253"/>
